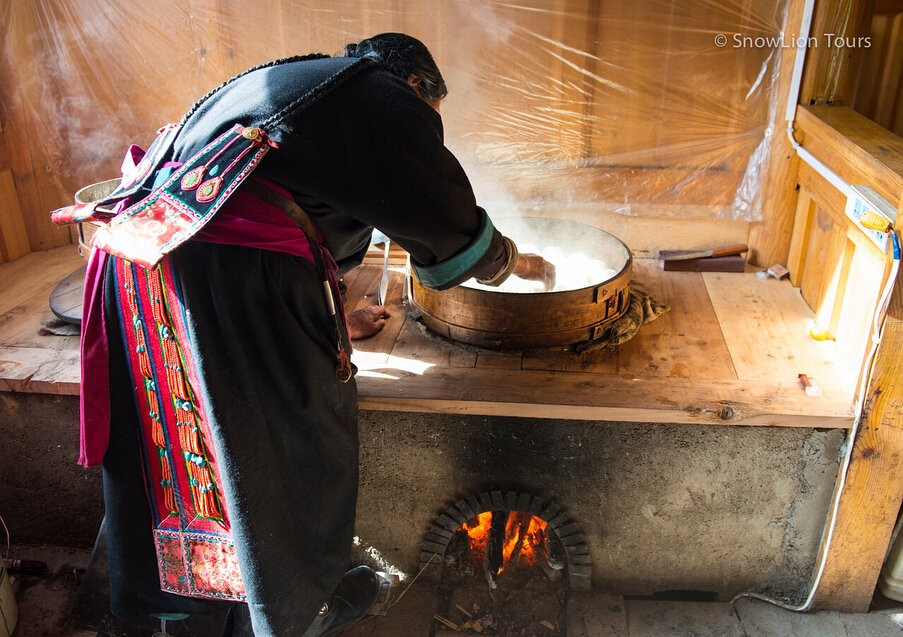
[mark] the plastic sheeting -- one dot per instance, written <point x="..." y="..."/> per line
<point x="640" y="107"/>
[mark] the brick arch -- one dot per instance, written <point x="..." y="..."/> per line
<point x="442" y="530"/>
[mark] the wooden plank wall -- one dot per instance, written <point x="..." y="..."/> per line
<point x="13" y="236"/>
<point x="560" y="102"/>
<point x="870" y="505"/>
<point x="879" y="92"/>
<point x="841" y="274"/>
<point x="839" y="270"/>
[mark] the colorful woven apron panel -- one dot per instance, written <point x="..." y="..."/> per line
<point x="176" y="210"/>
<point x="195" y="550"/>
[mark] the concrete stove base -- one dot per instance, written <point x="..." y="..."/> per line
<point x="662" y="507"/>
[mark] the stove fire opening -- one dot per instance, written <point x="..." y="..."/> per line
<point x="500" y="541"/>
<point x="498" y="534"/>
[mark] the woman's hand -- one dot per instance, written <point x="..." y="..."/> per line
<point x="534" y="268"/>
<point x="367" y="321"/>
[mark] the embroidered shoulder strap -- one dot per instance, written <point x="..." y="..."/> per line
<point x="173" y="212"/>
<point x="134" y="178"/>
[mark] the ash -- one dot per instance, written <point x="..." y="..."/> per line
<point x="522" y="601"/>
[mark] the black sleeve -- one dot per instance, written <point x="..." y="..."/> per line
<point x="372" y="150"/>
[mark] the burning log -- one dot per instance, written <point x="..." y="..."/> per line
<point x="522" y="523"/>
<point x="495" y="546"/>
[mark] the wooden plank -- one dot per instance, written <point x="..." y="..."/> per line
<point x="415" y="341"/>
<point x="430" y="381"/>
<point x="824" y="260"/>
<point x="769" y="238"/>
<point x="844" y="259"/>
<point x="598" y="397"/>
<point x="685" y="342"/>
<point x="838" y="297"/>
<point x="833" y="203"/>
<point x="889" y="96"/>
<point x="488" y="359"/>
<point x="766" y="326"/>
<point x="831" y="71"/>
<point x="370" y="353"/>
<point x="19" y="326"/>
<point x="871" y="500"/>
<point x="39" y="370"/>
<point x="603" y="361"/>
<point x="799" y="243"/>
<point x="37" y="136"/>
<point x="854" y="321"/>
<point x="698" y="350"/>
<point x="870" y="90"/>
<point x="362" y="289"/>
<point x="35" y="271"/>
<point x="822" y="192"/>
<point x="13" y="236"/>
<point x="856" y="148"/>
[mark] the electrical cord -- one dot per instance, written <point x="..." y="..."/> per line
<point x="877" y="329"/>
<point x="5" y="556"/>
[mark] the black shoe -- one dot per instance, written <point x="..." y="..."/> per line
<point x="351" y="600"/>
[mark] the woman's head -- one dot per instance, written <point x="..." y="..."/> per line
<point x="407" y="58"/>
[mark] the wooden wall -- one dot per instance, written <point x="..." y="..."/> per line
<point x="622" y="107"/>
<point x="839" y="270"/>
<point x="879" y="91"/>
<point x="13" y="235"/>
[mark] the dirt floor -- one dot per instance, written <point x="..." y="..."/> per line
<point x="54" y="601"/>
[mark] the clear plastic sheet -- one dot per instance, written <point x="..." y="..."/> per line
<point x="631" y="107"/>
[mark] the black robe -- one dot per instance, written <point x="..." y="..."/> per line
<point x="357" y="149"/>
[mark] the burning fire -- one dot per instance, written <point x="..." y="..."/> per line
<point x="524" y="535"/>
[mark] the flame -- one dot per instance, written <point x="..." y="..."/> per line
<point x="521" y="530"/>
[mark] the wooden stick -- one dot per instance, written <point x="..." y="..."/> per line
<point x="461" y="608"/>
<point x="448" y="623"/>
<point x="723" y="251"/>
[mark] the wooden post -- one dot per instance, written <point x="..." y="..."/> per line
<point x="874" y="488"/>
<point x="769" y="239"/>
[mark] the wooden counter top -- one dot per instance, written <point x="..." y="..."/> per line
<point x="728" y="352"/>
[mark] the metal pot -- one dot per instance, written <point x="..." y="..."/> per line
<point x="86" y="229"/>
<point x="517" y="320"/>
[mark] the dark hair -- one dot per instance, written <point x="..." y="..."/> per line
<point x="403" y="56"/>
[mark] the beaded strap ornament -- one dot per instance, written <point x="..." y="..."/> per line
<point x="188" y="199"/>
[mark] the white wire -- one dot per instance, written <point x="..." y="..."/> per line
<point x="877" y="328"/>
<point x="848" y="455"/>
<point x="5" y="555"/>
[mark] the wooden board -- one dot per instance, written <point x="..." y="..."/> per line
<point x="685" y="342"/>
<point x="39" y="370"/>
<point x="770" y="237"/>
<point x="840" y="271"/>
<point x="34" y="272"/>
<point x="13" y="236"/>
<point x="871" y="499"/>
<point x="766" y="323"/>
<point x="857" y="149"/>
<point x="599" y="397"/>
<point x="682" y="368"/>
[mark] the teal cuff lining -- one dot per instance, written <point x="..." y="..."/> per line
<point x="443" y="272"/>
